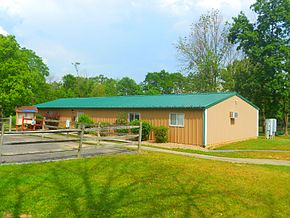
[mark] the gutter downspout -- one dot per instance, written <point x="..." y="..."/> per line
<point x="204" y="127"/>
<point x="257" y="123"/>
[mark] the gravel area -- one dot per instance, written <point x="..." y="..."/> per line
<point x="30" y="152"/>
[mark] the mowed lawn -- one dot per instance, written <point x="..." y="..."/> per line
<point x="238" y="154"/>
<point x="278" y="143"/>
<point x="145" y="185"/>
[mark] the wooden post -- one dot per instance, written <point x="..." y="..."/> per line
<point x="22" y="127"/>
<point x="98" y="133"/>
<point x="2" y="137"/>
<point x="10" y="123"/>
<point x="81" y="140"/>
<point x="43" y="127"/>
<point x="140" y="137"/>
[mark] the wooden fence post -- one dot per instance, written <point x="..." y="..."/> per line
<point x="98" y="133"/>
<point x="43" y="127"/>
<point x="10" y="123"/>
<point x="140" y="137"/>
<point x="81" y="134"/>
<point x="2" y="137"/>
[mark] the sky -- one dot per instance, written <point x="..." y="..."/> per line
<point x="115" y="38"/>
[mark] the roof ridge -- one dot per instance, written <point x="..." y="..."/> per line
<point x="176" y="94"/>
<point x="184" y="100"/>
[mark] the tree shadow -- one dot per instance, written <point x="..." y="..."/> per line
<point x="97" y="189"/>
<point x="20" y="192"/>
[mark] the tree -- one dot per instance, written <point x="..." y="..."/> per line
<point x="266" y="44"/>
<point x="163" y="83"/>
<point x="78" y="86"/>
<point x="127" y="86"/>
<point x="22" y="75"/>
<point x="69" y="85"/>
<point x="236" y="76"/>
<point x="110" y="87"/>
<point x="206" y="51"/>
<point x="104" y="86"/>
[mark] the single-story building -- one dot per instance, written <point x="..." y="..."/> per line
<point x="196" y="119"/>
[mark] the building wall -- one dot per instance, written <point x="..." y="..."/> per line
<point x="222" y="129"/>
<point x="191" y="133"/>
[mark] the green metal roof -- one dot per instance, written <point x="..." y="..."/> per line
<point x="195" y="100"/>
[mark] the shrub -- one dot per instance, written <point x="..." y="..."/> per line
<point x="85" y="119"/>
<point x="146" y="128"/>
<point x="161" y="134"/>
<point x="14" y="120"/>
<point x="39" y="116"/>
<point x="122" y="120"/>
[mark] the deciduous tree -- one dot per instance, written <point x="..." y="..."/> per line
<point x="163" y="83"/>
<point x="266" y="43"/>
<point x="206" y="51"/>
<point x="22" y="75"/>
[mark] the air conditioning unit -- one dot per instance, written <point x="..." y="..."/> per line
<point x="234" y="115"/>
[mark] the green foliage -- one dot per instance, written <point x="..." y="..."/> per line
<point x="163" y="83"/>
<point x="104" y="124"/>
<point x="127" y="86"/>
<point x="146" y="128"/>
<point x="22" y="75"/>
<point x="39" y="116"/>
<point x="85" y="119"/>
<point x="266" y="43"/>
<point x="14" y="120"/>
<point x="205" y="52"/>
<point x="161" y="134"/>
<point x="122" y="119"/>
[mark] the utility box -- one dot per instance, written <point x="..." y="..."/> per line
<point x="271" y="128"/>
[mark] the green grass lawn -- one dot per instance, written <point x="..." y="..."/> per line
<point x="146" y="185"/>
<point x="238" y="154"/>
<point x="248" y="154"/>
<point x="278" y="143"/>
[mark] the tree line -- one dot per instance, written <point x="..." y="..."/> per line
<point x="249" y="57"/>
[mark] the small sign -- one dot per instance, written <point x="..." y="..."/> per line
<point x="67" y="124"/>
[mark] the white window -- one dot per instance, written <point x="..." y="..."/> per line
<point x="133" y="116"/>
<point x="176" y="119"/>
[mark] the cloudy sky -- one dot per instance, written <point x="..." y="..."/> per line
<point x="114" y="37"/>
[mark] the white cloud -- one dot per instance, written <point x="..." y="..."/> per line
<point x="63" y="31"/>
<point x="218" y="4"/>
<point x="3" y="31"/>
<point x="177" y="7"/>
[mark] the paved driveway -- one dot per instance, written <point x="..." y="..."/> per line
<point x="29" y="152"/>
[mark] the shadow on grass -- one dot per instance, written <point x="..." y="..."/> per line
<point x="93" y="198"/>
<point x="105" y="188"/>
<point x="18" y="194"/>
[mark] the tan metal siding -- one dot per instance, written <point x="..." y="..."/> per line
<point x="191" y="133"/>
<point x="219" y="126"/>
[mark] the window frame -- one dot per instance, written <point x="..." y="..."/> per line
<point x="176" y="125"/>
<point x="134" y="115"/>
